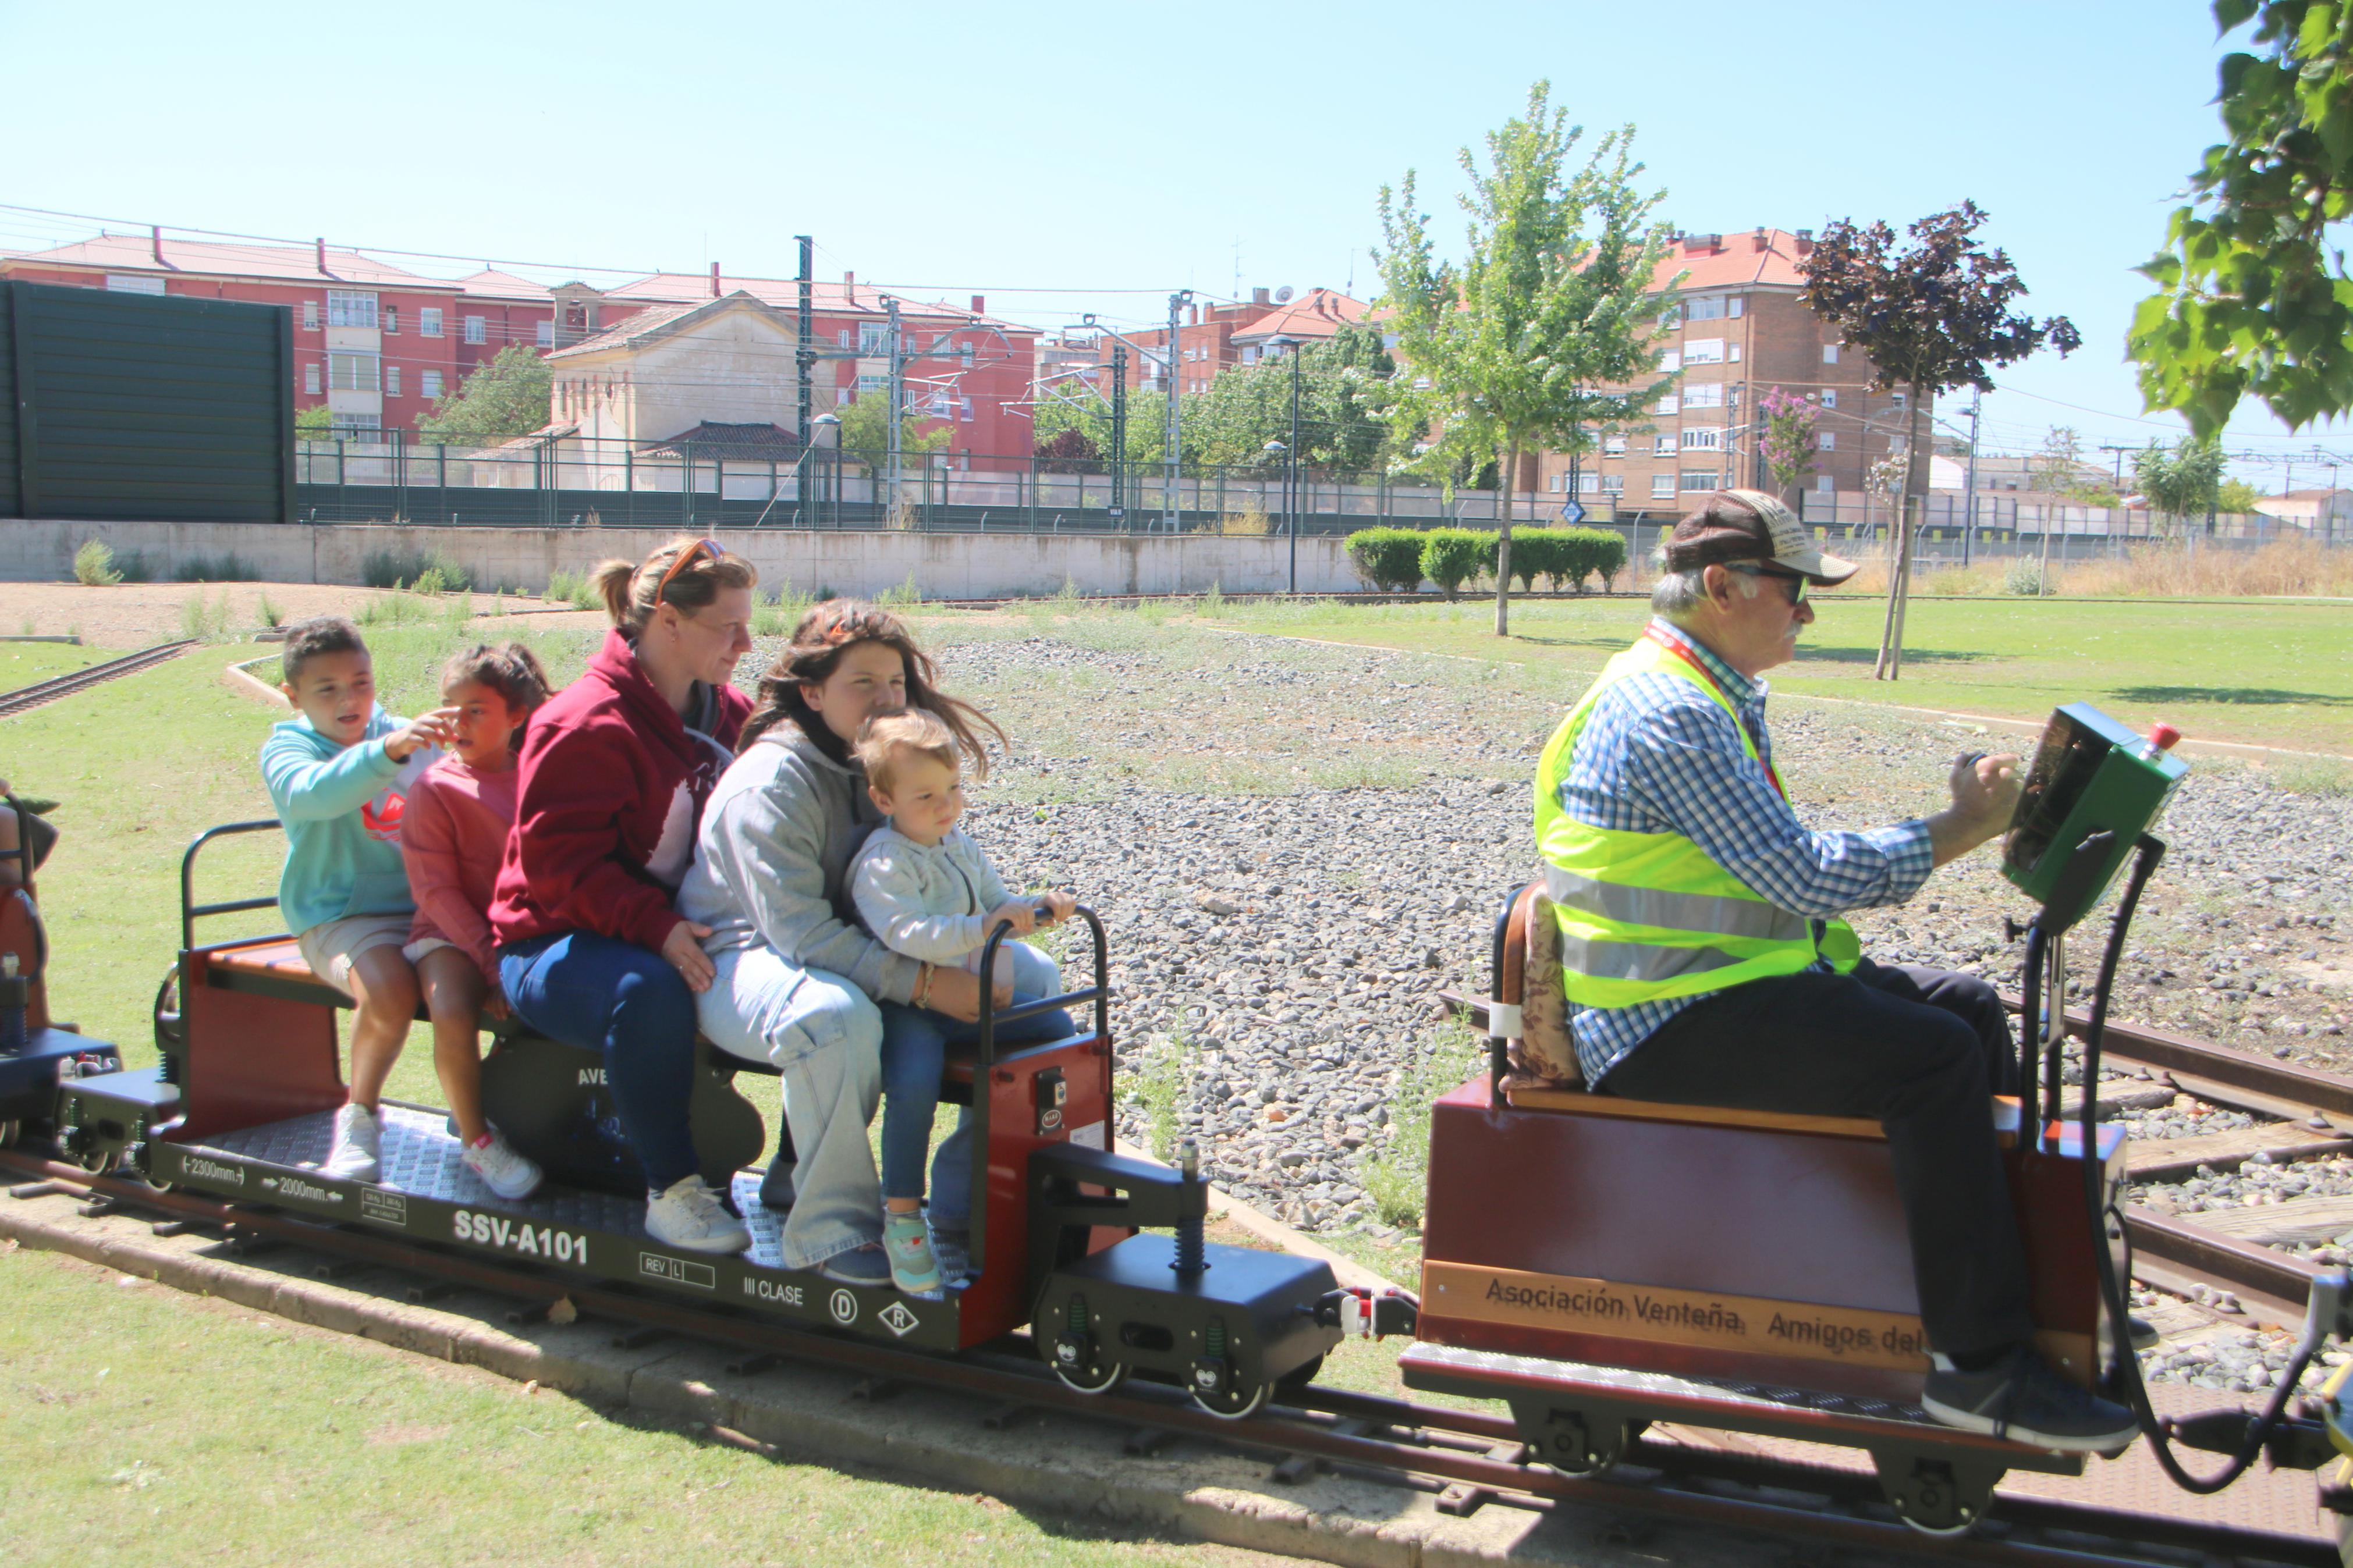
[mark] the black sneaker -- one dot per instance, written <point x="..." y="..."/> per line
<point x="2020" y="1398"/>
<point x="2141" y="1334"/>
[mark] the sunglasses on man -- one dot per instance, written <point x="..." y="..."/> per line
<point x="1793" y="584"/>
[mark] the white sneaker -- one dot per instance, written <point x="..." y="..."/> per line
<point x="356" y="1154"/>
<point x="689" y="1215"/>
<point x="504" y="1170"/>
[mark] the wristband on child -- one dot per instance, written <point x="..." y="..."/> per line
<point x="923" y="997"/>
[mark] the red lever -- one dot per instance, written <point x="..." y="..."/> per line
<point x="2163" y="736"/>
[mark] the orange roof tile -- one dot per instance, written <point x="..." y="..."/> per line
<point x="1740" y="262"/>
<point x="827" y="294"/>
<point x="1318" y="314"/>
<point x="282" y="263"/>
<point x="491" y="283"/>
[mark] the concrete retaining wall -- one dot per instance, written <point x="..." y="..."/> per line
<point x="944" y="565"/>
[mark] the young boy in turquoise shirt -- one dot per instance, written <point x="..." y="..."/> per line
<point x="339" y="775"/>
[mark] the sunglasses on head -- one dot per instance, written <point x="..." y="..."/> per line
<point x="1794" y="584"/>
<point x="701" y="549"/>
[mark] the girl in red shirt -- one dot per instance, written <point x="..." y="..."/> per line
<point x="453" y="838"/>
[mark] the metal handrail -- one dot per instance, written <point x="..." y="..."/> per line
<point x="1099" y="993"/>
<point x="190" y="911"/>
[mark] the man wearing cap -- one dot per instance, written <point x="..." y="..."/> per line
<point x="1704" y="962"/>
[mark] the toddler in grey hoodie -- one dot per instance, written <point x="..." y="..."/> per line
<point x="927" y="892"/>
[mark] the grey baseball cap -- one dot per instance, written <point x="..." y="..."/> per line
<point x="1749" y="525"/>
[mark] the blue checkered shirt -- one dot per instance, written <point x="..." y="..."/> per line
<point x="1657" y="756"/>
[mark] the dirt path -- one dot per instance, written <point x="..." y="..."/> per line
<point x="139" y="614"/>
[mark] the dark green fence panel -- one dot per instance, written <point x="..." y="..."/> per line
<point x="131" y="406"/>
<point x="9" y="502"/>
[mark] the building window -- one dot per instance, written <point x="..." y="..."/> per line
<point x="392" y="381"/>
<point x="349" y="308"/>
<point x="1830" y="354"/>
<point x="873" y="337"/>
<point x="1895" y="443"/>
<point x="1662" y="486"/>
<point x="356" y="426"/>
<point x="391" y="318"/>
<point x="132" y="283"/>
<point x="1662" y="447"/>
<point x="1556" y="482"/>
<point x="428" y="322"/>
<point x="311" y="379"/>
<point x="1696" y="479"/>
<point x="1703" y="350"/>
<point x="1707" y="308"/>
<point x="1672" y="316"/>
<point x="964" y="410"/>
<point x="1673" y="360"/>
<point x="351" y="373"/>
<point x="1827" y="441"/>
<point x="1823" y="483"/>
<point x="1613" y="484"/>
<point x="474" y="333"/>
<point x="1613" y="446"/>
<point x="428" y="383"/>
<point x="1733" y="353"/>
<point x="873" y="383"/>
<point x="310" y="315"/>
<point x="1708" y="441"/>
<point x="544" y="334"/>
<point x="1895" y="403"/>
<point x="965" y="355"/>
<point x="1587" y="481"/>
<point x="1709" y="395"/>
<point x="1829" y="399"/>
<point x="1734" y="312"/>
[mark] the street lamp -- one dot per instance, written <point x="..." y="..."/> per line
<point x="825" y="436"/>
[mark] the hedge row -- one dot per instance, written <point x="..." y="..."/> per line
<point x="1396" y="560"/>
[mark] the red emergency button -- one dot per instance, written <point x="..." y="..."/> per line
<point x="2163" y="736"/>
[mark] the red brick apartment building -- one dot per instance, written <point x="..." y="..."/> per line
<point x="1738" y="330"/>
<point x="1214" y="338"/>
<point x="378" y="344"/>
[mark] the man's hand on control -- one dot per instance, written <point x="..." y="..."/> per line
<point x="1985" y="796"/>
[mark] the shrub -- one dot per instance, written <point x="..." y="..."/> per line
<point x="204" y="622"/>
<point x="133" y="566"/>
<point x="1388" y="560"/>
<point x="412" y="569"/>
<point x="1453" y="556"/>
<point x="1251" y="519"/>
<point x="94" y="565"/>
<point x="271" y="615"/>
<point x="571" y="588"/>
<point x="228" y="568"/>
<point x="2024" y="576"/>
<point x="1534" y="551"/>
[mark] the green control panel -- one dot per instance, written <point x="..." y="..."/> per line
<point x="2092" y="790"/>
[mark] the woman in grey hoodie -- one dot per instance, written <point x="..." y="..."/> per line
<point x="797" y="978"/>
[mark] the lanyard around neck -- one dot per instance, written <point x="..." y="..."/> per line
<point x="1708" y="678"/>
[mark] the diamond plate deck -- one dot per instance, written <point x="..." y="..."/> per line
<point x="421" y="1157"/>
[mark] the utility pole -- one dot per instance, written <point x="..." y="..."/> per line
<point x="1969" y="486"/>
<point x="2120" y="452"/>
<point x="805" y="355"/>
<point x="1119" y="432"/>
<point x="1291" y="502"/>
<point x="1169" y="507"/>
<point x="898" y="393"/>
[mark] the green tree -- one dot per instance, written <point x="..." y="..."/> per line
<point x="2252" y="291"/>
<point x="1345" y="399"/>
<point x="1789" y="443"/>
<point x="2236" y="495"/>
<point x="2182" y="483"/>
<point x="1511" y="348"/>
<point x="1078" y="405"/>
<point x="505" y="398"/>
<point x="866" y="431"/>
<point x="314" y="424"/>
<point x="1933" y="318"/>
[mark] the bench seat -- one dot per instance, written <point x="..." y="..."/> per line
<point x="276" y="968"/>
<point x="1580" y="1102"/>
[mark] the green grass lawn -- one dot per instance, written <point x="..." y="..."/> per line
<point x="138" y="1415"/>
<point x="2268" y="673"/>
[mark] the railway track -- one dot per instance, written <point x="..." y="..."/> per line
<point x="2310" y="1117"/>
<point x="1468" y="1459"/>
<point x="26" y="697"/>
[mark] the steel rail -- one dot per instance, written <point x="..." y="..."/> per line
<point x="1314" y="1431"/>
<point x="26" y="697"/>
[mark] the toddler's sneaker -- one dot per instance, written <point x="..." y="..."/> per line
<point x="356" y="1154"/>
<point x="951" y="1250"/>
<point x="506" y="1171"/>
<point x="687" y="1213"/>
<point x="913" y="1268"/>
<point x="864" y="1265"/>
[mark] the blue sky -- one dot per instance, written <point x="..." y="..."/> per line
<point x="1104" y="155"/>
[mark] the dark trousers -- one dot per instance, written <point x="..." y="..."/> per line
<point x="1920" y="1050"/>
<point x="603" y="994"/>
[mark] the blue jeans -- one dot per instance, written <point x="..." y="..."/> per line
<point x="915" y="1044"/>
<point x="600" y="994"/>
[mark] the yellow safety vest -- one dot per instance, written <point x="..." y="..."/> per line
<point x="1645" y="916"/>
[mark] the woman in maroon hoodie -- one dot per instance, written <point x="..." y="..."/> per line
<point x="613" y="772"/>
